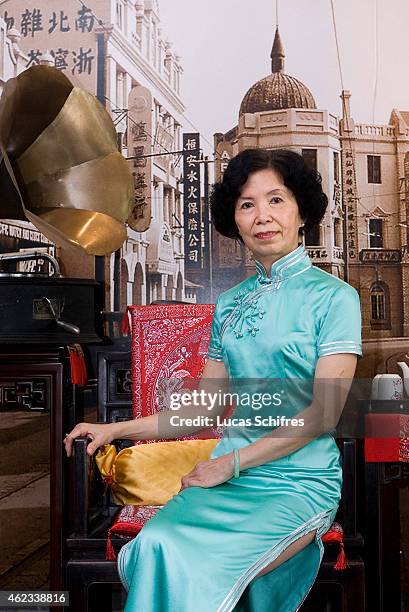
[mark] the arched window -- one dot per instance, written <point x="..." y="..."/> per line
<point x="380" y="306"/>
<point x="375" y="233"/>
<point x="377" y="303"/>
<point x="179" y="287"/>
<point x="137" y="299"/>
<point x="124" y="285"/>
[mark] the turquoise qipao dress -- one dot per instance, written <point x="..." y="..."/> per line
<point x="203" y="550"/>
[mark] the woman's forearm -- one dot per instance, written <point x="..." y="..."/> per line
<point x="168" y="425"/>
<point x="145" y="428"/>
<point x="281" y="441"/>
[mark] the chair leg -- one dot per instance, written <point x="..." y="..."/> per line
<point x="100" y="597"/>
<point x="342" y="591"/>
<point x="355" y="591"/>
<point x="77" y="588"/>
<point x="81" y="575"/>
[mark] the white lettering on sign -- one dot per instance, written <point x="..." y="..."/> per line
<point x="15" y="232"/>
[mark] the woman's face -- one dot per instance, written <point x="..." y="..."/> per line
<point x="267" y="217"/>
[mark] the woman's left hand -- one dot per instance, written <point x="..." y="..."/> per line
<point x="209" y="473"/>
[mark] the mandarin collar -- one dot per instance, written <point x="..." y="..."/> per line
<point x="293" y="263"/>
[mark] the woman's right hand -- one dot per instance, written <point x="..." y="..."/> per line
<point x="100" y="434"/>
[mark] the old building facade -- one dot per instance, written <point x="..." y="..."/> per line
<point x="375" y="192"/>
<point x="111" y="47"/>
<point x="363" y="237"/>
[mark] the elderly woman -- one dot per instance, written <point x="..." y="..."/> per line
<point x="244" y="533"/>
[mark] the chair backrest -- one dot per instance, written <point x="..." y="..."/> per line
<point x="169" y="344"/>
<point x="169" y="339"/>
<point x="114" y="386"/>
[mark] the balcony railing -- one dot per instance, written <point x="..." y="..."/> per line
<point x="363" y="129"/>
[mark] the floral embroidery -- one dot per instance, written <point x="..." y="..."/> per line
<point x="247" y="313"/>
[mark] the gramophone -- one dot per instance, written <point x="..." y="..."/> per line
<point x="60" y="163"/>
<point x="60" y="169"/>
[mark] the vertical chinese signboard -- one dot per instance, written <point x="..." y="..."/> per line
<point x="406" y="172"/>
<point x="191" y="201"/>
<point x="140" y="147"/>
<point x="350" y="194"/>
<point x="66" y="31"/>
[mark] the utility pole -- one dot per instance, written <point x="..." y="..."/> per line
<point x="101" y="87"/>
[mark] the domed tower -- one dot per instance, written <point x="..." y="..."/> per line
<point x="278" y="90"/>
<point x="279" y="111"/>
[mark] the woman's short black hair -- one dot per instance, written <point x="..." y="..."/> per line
<point x="303" y="181"/>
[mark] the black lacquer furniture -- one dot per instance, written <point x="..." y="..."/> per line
<point x="93" y="511"/>
<point x="382" y="516"/>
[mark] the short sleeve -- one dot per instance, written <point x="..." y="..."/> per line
<point x="340" y="327"/>
<point x="215" y="345"/>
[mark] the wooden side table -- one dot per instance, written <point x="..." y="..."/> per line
<point x="382" y="535"/>
<point x="382" y="516"/>
<point x="38" y="378"/>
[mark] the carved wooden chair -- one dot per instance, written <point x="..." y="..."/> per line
<point x="93" y="511"/>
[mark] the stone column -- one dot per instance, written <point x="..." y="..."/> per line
<point x="111" y="80"/>
<point x="160" y="202"/>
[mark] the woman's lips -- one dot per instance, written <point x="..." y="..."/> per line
<point x="265" y="235"/>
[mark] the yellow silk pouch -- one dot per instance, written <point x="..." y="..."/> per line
<point x="150" y="474"/>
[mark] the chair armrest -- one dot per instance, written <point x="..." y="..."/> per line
<point x="81" y="497"/>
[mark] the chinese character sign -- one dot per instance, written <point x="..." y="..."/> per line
<point x="191" y="201"/>
<point x="140" y="148"/>
<point x="406" y="187"/>
<point x="350" y="193"/>
<point x="66" y="30"/>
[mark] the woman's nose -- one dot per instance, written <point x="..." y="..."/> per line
<point x="264" y="212"/>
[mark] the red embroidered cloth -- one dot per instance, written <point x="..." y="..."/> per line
<point x="169" y="345"/>
<point x="127" y="524"/>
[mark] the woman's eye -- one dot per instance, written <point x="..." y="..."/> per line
<point x="246" y="205"/>
<point x="276" y="200"/>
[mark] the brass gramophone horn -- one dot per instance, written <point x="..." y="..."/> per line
<point x="60" y="168"/>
